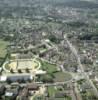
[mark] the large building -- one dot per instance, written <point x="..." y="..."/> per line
<point x="16" y="78"/>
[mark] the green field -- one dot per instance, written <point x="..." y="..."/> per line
<point x="3" y="49"/>
<point x="62" y="77"/>
<point x="50" y="68"/>
<point x="51" y="91"/>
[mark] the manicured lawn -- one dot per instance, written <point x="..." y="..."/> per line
<point x="51" y="91"/>
<point x="62" y="77"/>
<point x="50" y="68"/>
<point x="60" y="99"/>
<point x="3" y="50"/>
<point x="66" y="98"/>
<point x="38" y="98"/>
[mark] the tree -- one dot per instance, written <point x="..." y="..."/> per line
<point x="53" y="38"/>
<point x="47" y="78"/>
<point x="27" y="70"/>
<point x="11" y="71"/>
<point x="9" y="81"/>
<point x="19" y="70"/>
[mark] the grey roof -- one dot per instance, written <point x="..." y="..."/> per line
<point x="19" y="77"/>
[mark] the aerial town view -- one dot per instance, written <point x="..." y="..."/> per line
<point x="48" y="49"/>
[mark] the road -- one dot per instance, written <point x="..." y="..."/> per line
<point x="77" y="92"/>
<point x="74" y="51"/>
<point x="55" y="83"/>
<point x="73" y="95"/>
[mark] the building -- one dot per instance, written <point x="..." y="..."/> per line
<point x="23" y="95"/>
<point x="21" y="78"/>
<point x="12" y="92"/>
<point x="3" y="78"/>
<point x="60" y="95"/>
<point x="2" y="89"/>
<point x="32" y="87"/>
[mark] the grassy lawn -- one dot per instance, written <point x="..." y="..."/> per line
<point x="39" y="98"/>
<point x="66" y="98"/>
<point x="3" y="50"/>
<point x="51" y="91"/>
<point x="50" y="68"/>
<point x="60" y="99"/>
<point x="61" y="77"/>
<point x="7" y="67"/>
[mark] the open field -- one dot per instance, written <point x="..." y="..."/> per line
<point x="56" y="75"/>
<point x="50" y="68"/>
<point x="51" y="91"/>
<point x="62" y="77"/>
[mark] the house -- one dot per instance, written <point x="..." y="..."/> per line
<point x="24" y="92"/>
<point x="96" y="61"/>
<point x="85" y="86"/>
<point x="32" y="87"/>
<point x="24" y="56"/>
<point x="23" y="98"/>
<point x="12" y="92"/>
<point x="23" y="95"/>
<point x="40" y="72"/>
<point x="2" y="89"/>
<point x="60" y="95"/>
<point x="8" y="94"/>
<point x="51" y="98"/>
<point x="96" y="76"/>
<point x="3" y="78"/>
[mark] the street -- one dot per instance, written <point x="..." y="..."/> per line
<point x="74" y="51"/>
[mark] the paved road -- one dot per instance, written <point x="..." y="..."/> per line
<point x="46" y="84"/>
<point x="62" y="68"/>
<point x="55" y="84"/>
<point x="73" y="95"/>
<point x="77" y="92"/>
<point x="74" y="51"/>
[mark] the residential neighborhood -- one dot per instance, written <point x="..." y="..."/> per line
<point x="48" y="50"/>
